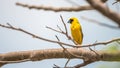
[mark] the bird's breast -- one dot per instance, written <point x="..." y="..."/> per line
<point x="74" y="28"/>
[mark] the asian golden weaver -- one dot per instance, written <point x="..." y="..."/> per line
<point x="76" y="30"/>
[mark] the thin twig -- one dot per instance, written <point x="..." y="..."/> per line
<point x="100" y="43"/>
<point x="64" y="25"/>
<point x="93" y="51"/>
<point x="66" y="63"/>
<point x="77" y="56"/>
<point x="55" y="30"/>
<point x="61" y="31"/>
<point x="64" y="51"/>
<point x="9" y="25"/>
<point x="59" y="28"/>
<point x="69" y="53"/>
<point x="95" y="42"/>
<point x="56" y="66"/>
<point x="115" y="2"/>
<point x="83" y="64"/>
<point x="66" y="31"/>
<point x="59" y="43"/>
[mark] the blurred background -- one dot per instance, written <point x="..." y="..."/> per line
<point x="35" y="21"/>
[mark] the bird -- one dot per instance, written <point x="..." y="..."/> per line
<point x="76" y="30"/>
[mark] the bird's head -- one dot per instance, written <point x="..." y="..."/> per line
<point x="73" y="19"/>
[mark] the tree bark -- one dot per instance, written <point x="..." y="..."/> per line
<point x="38" y="55"/>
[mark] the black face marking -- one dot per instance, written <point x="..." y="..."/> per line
<point x="70" y="21"/>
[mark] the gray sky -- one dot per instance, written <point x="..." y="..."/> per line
<point x="35" y="21"/>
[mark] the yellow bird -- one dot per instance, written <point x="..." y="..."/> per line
<point x="76" y="30"/>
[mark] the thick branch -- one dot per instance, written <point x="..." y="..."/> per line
<point x="56" y="9"/>
<point x="37" y="55"/>
<point x="103" y="9"/>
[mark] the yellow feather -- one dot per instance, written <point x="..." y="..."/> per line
<point x="76" y="30"/>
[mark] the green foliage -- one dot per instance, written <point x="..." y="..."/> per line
<point x="113" y="47"/>
<point x="109" y="65"/>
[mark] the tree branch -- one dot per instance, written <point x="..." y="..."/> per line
<point x="83" y="64"/>
<point x="58" y="42"/>
<point x="33" y="35"/>
<point x="56" y="9"/>
<point x="101" y="43"/>
<point x="116" y="2"/>
<point x="38" y="55"/>
<point x="61" y="31"/>
<point x="103" y="9"/>
<point x="71" y="53"/>
<point x="100" y="23"/>
<point x="64" y="25"/>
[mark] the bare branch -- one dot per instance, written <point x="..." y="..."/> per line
<point x="66" y="31"/>
<point x="102" y="8"/>
<point x="83" y="64"/>
<point x="48" y="40"/>
<point x="67" y="63"/>
<point x="56" y="66"/>
<point x="59" y="28"/>
<point x="100" y="43"/>
<point x="100" y="23"/>
<point x="65" y="50"/>
<point x="64" y="25"/>
<point x="116" y="2"/>
<point x="70" y="53"/>
<point x="62" y="32"/>
<point x="34" y="36"/>
<point x="60" y="44"/>
<point x="93" y="51"/>
<point x="37" y="55"/>
<point x="56" y="9"/>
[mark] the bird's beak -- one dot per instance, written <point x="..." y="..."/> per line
<point x="70" y="21"/>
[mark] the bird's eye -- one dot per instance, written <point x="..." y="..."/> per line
<point x="70" y="21"/>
